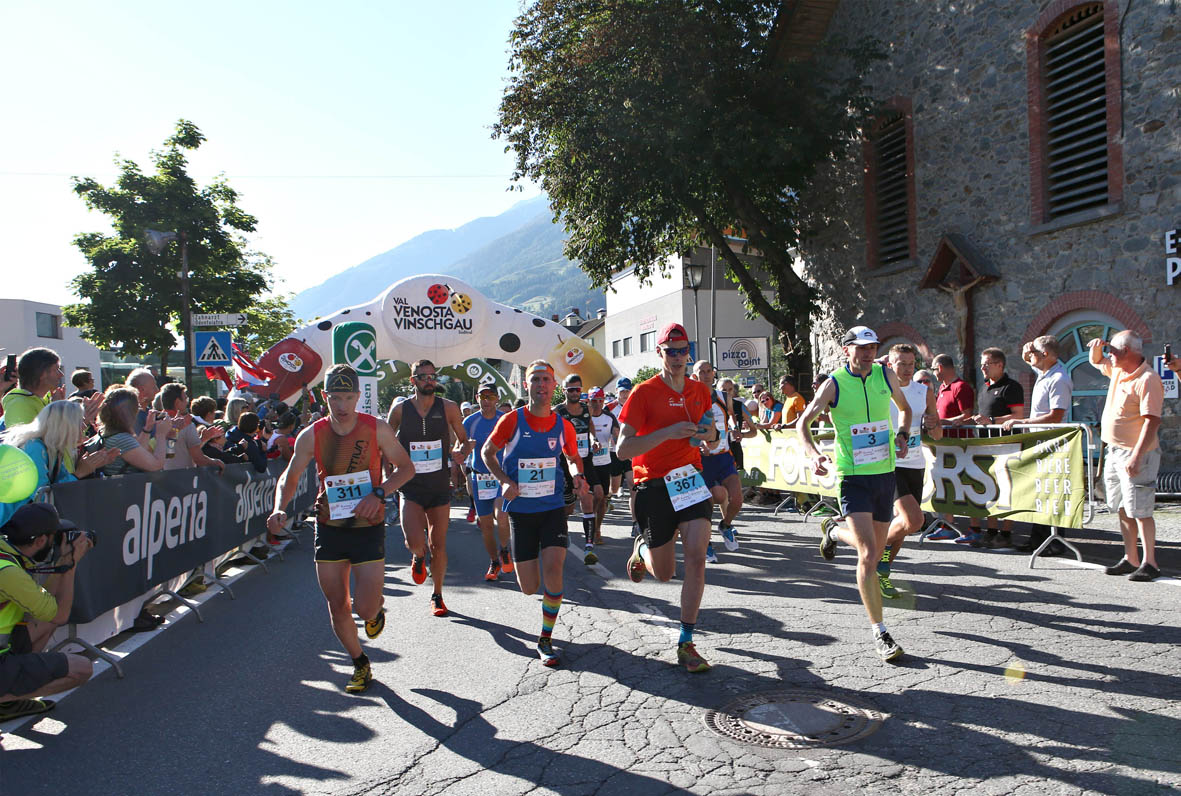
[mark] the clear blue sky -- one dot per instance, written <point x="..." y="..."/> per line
<point x="347" y="128"/>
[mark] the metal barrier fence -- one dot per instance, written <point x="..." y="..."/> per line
<point x="785" y="453"/>
<point x="156" y="533"/>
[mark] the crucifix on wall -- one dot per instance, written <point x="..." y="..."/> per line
<point x="958" y="269"/>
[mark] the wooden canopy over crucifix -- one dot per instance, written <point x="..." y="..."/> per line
<point x="957" y="268"/>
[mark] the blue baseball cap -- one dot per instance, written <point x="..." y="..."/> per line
<point x="623" y="384"/>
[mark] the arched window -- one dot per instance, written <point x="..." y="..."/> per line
<point x="1074" y="331"/>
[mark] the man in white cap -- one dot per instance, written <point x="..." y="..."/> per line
<point x="860" y="395"/>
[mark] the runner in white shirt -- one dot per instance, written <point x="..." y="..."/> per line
<point x="909" y="470"/>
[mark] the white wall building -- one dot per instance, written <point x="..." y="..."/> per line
<point x="31" y="324"/>
<point x="636" y="313"/>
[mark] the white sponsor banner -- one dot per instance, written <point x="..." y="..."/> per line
<point x="742" y="353"/>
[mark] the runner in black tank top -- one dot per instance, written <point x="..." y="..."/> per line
<point x="427" y="424"/>
<point x="579" y="416"/>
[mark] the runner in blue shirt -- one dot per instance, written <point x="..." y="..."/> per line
<point x="484" y="487"/>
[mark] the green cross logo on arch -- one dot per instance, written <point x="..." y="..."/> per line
<point x="355" y="344"/>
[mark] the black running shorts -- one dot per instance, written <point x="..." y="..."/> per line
<point x="426" y="498"/>
<point x="597" y="475"/>
<point x="534" y="531"/>
<point x="868" y="494"/>
<point x="351" y="545"/>
<point x="654" y="512"/>
<point x="908" y="481"/>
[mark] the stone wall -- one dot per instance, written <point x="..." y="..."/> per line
<point x="962" y="66"/>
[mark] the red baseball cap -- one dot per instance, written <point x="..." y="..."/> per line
<point x="673" y="333"/>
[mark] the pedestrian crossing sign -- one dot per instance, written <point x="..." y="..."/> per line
<point x="213" y="349"/>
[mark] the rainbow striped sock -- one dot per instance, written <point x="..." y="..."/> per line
<point x="550" y="603"/>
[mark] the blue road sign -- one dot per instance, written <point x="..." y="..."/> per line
<point x="212" y="349"/>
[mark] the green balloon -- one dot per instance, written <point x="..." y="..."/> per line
<point x="18" y="475"/>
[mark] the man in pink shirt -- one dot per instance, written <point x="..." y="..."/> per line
<point x="1131" y="417"/>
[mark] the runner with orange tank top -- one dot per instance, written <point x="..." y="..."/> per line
<point x="347" y="447"/>
<point x="663" y="424"/>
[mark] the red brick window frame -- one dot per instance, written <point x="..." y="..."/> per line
<point x="1067" y="97"/>
<point x="888" y="151"/>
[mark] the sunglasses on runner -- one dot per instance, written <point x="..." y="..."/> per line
<point x="426" y="377"/>
<point x="677" y="352"/>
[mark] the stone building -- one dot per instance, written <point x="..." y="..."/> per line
<point x="1027" y="157"/>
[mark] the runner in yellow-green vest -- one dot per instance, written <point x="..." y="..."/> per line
<point x="29" y="613"/>
<point x="858" y="398"/>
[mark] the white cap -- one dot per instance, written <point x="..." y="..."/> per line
<point x="466" y="405"/>
<point x="860" y="335"/>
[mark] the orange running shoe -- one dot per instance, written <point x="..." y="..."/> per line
<point x="493" y="570"/>
<point x="418" y="570"/>
<point x="506" y="561"/>
<point x="437" y="607"/>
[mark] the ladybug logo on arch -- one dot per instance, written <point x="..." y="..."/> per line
<point x="438" y="294"/>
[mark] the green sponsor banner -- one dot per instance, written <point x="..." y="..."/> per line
<point x="1038" y="476"/>
<point x="355" y="344"/>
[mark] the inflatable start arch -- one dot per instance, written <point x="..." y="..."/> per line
<point x="433" y="317"/>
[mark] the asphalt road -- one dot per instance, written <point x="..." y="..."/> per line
<point x="1052" y="680"/>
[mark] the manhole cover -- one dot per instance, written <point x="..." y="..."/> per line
<point x="795" y="719"/>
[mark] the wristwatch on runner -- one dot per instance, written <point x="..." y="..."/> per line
<point x="379" y="493"/>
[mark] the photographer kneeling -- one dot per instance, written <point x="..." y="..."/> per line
<point x="36" y="540"/>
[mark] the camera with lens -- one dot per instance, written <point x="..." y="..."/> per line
<point x="71" y="536"/>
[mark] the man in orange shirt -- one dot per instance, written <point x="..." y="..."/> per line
<point x="664" y="423"/>
<point x="1131" y="417"/>
<point x="793" y="403"/>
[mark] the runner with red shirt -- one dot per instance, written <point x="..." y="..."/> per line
<point x="664" y="423"/>
<point x="533" y="438"/>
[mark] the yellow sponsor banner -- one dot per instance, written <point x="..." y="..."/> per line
<point x="1038" y="476"/>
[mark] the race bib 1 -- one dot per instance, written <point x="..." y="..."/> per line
<point x="871" y="442"/>
<point x="535" y="477"/>
<point x="427" y="456"/>
<point x="603" y="457"/>
<point x="685" y="487"/>
<point x="487" y="488"/>
<point x="344" y="492"/>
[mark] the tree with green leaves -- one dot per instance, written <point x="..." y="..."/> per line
<point x="131" y="298"/>
<point x="655" y="126"/>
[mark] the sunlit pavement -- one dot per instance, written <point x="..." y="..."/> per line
<point x="1057" y="679"/>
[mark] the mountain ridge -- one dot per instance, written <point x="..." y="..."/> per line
<point x="515" y="258"/>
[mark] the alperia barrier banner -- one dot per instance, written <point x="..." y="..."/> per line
<point x="1038" y="476"/>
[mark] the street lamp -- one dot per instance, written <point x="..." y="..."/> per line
<point x="156" y="242"/>
<point x="694" y="274"/>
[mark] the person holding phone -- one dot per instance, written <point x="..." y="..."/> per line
<point x="1131" y="418"/>
<point x="40" y="377"/>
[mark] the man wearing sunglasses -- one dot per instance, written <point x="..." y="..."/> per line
<point x="664" y="423"/>
<point x="426" y="425"/>
<point x="867" y="444"/>
<point x="579" y="415"/>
